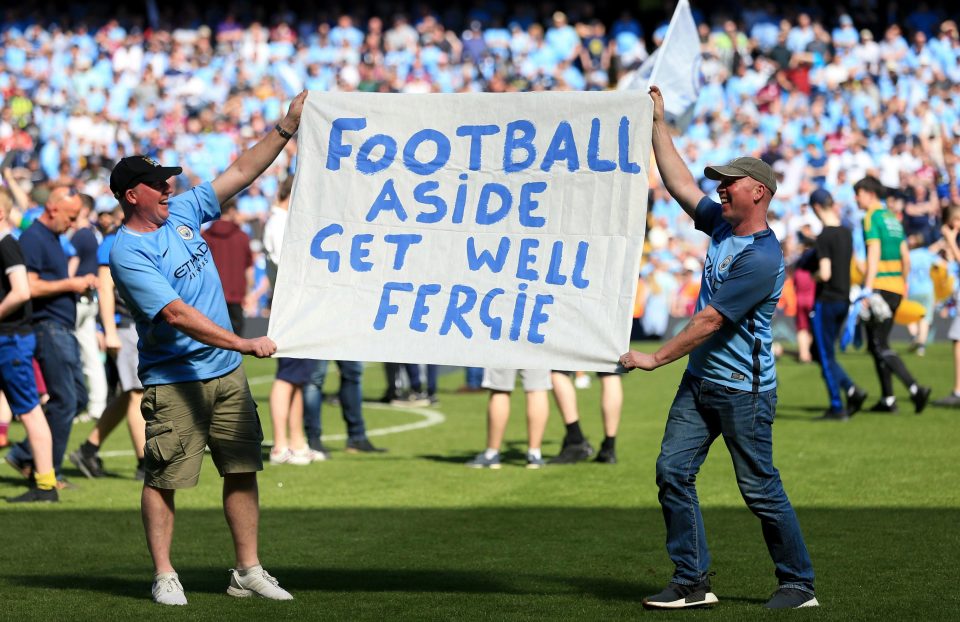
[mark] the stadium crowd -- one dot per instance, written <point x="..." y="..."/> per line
<point x="825" y="99"/>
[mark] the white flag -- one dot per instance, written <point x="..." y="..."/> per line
<point x="677" y="67"/>
<point x="639" y="78"/>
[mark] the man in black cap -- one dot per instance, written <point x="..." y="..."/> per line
<point x="729" y="386"/>
<point x="164" y="271"/>
<point x="832" y="304"/>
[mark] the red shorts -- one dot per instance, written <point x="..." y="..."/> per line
<point x="806" y="289"/>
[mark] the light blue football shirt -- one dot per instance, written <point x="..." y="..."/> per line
<point x="742" y="279"/>
<point x="153" y="269"/>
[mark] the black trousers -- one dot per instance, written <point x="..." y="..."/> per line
<point x="885" y="359"/>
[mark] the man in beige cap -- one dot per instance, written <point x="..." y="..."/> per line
<point x="729" y="386"/>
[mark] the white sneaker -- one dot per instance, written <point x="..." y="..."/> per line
<point x="258" y="582"/>
<point x="310" y="455"/>
<point x="302" y="457"/>
<point x="280" y="457"/>
<point x="167" y="589"/>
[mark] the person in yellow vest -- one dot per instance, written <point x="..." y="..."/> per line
<point x="888" y="261"/>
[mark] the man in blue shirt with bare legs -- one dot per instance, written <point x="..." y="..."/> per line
<point x="729" y="387"/>
<point x="195" y="392"/>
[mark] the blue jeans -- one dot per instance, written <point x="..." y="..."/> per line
<point x="58" y="354"/>
<point x="474" y="377"/>
<point x="828" y="320"/>
<point x="351" y="400"/>
<point x="702" y="411"/>
<point x="416" y="383"/>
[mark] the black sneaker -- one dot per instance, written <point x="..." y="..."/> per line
<point x="920" y="399"/>
<point x="883" y="407"/>
<point x="91" y="466"/>
<point x="573" y="453"/>
<point x="834" y="415"/>
<point x="363" y="446"/>
<point x="35" y="495"/>
<point x="606" y="456"/>
<point x="791" y="598"/>
<point x="676" y="596"/>
<point x="855" y="401"/>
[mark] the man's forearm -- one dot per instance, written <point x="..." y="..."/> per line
<point x="701" y="327"/>
<point x="42" y="289"/>
<point x="249" y="166"/>
<point x="108" y="306"/>
<point x="873" y="265"/>
<point x="10" y="303"/>
<point x="196" y="325"/>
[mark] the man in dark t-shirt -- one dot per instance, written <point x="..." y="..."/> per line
<point x="17" y="345"/>
<point x="834" y="248"/>
<point x="53" y="294"/>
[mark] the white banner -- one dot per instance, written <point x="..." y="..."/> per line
<point x="486" y="230"/>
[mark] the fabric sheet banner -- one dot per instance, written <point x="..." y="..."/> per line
<point x="487" y="230"/>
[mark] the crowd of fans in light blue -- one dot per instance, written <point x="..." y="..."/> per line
<point x="821" y="98"/>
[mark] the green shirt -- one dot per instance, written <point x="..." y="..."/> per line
<point x="881" y="227"/>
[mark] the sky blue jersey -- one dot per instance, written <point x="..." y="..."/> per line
<point x="153" y="269"/>
<point x="742" y="279"/>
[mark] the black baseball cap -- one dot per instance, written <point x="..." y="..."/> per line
<point x="821" y="197"/>
<point x="744" y="167"/>
<point x="136" y="169"/>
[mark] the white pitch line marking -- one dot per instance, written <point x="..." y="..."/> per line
<point x="429" y="418"/>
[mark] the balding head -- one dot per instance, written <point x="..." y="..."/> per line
<point x="61" y="210"/>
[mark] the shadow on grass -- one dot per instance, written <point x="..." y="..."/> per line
<point x="299" y="580"/>
<point x="610" y="557"/>
<point x="513" y="452"/>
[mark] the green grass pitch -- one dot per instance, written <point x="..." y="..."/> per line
<point x="414" y="535"/>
